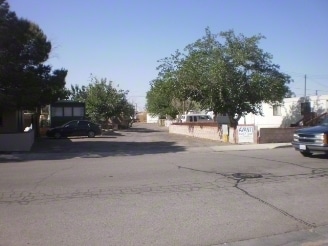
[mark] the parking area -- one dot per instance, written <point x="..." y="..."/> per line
<point x="142" y="138"/>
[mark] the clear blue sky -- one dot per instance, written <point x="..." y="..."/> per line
<point x="122" y="40"/>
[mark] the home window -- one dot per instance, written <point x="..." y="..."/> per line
<point x="68" y="111"/>
<point x="57" y="111"/>
<point x="78" y="111"/>
<point x="276" y="110"/>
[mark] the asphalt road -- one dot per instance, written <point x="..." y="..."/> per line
<point x="144" y="186"/>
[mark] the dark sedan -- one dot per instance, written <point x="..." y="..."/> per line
<point x="75" y="128"/>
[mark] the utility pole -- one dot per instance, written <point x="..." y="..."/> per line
<point x="305" y="86"/>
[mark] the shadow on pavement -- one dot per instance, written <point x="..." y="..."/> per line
<point x="61" y="149"/>
<point x="125" y="142"/>
<point x="139" y="140"/>
<point x="318" y="156"/>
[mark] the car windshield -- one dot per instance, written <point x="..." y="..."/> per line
<point x="70" y="124"/>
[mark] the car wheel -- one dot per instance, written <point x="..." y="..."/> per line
<point x="91" y="134"/>
<point x="306" y="154"/>
<point x="57" y="135"/>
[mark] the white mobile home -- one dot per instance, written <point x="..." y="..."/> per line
<point x="289" y="112"/>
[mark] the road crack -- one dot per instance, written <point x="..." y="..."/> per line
<point x="271" y="205"/>
<point x="245" y="192"/>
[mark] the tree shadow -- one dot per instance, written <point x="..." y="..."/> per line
<point x="294" y="112"/>
<point x="99" y="147"/>
<point x="318" y="156"/>
<point x="109" y="134"/>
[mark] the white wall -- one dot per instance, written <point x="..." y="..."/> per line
<point x="17" y="141"/>
<point x="152" y="119"/>
<point x="290" y="112"/>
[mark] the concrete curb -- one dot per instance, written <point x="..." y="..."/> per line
<point x="243" y="147"/>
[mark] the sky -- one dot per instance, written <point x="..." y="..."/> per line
<point x="122" y="40"/>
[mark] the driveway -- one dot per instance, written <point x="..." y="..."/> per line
<point x="141" y="139"/>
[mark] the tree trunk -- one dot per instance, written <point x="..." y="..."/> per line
<point x="233" y="122"/>
<point x="36" y="122"/>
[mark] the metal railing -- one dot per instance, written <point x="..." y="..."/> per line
<point x="316" y="119"/>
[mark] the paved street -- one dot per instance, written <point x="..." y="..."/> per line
<point x="144" y="186"/>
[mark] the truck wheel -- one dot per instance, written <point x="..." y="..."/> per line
<point x="306" y="154"/>
<point x="91" y="134"/>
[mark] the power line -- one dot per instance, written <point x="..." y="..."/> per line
<point x="319" y="76"/>
<point x="295" y="73"/>
<point x="308" y="90"/>
<point x="298" y="74"/>
<point x="318" y="83"/>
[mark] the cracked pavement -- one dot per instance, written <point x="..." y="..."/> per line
<point x="164" y="190"/>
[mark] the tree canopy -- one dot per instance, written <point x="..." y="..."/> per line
<point x="160" y="100"/>
<point x="25" y="80"/>
<point x="103" y="100"/>
<point x="225" y="73"/>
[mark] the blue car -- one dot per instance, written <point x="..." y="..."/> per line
<point x="75" y="128"/>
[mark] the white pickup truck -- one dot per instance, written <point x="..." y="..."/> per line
<point x="312" y="140"/>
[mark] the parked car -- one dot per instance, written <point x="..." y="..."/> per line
<point x="75" y="128"/>
<point x="312" y="139"/>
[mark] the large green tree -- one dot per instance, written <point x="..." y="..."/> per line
<point x="103" y="101"/>
<point x="26" y="82"/>
<point x="230" y="74"/>
<point x="169" y="94"/>
<point x="78" y="93"/>
<point x="235" y="76"/>
<point x="159" y="99"/>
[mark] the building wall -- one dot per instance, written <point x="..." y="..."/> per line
<point x="198" y="130"/>
<point x="17" y="141"/>
<point x="276" y="135"/>
<point x="290" y="112"/>
<point x="9" y="122"/>
<point x="213" y="132"/>
<point x="62" y="112"/>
